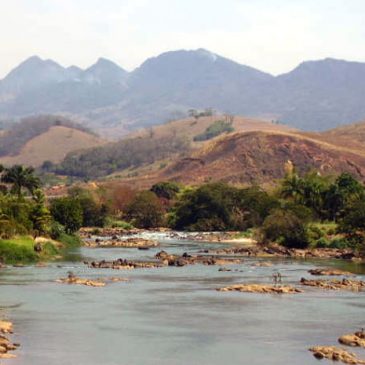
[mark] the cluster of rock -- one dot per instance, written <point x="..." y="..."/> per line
<point x="329" y="272"/>
<point x="262" y="289"/>
<point x="162" y="259"/>
<point x="71" y="279"/>
<point x="275" y="250"/>
<point x="123" y="264"/>
<point x="131" y="242"/>
<point x="87" y="232"/>
<point x="225" y="269"/>
<point x="335" y="354"/>
<point x="186" y="259"/>
<point x="344" y="284"/>
<point x="356" y="339"/>
<point x="6" y="346"/>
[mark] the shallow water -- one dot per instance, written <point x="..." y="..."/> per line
<point x="172" y="315"/>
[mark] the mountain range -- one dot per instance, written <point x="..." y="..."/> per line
<point x="315" y="96"/>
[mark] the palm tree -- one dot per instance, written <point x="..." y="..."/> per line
<point x="20" y="177"/>
<point x="292" y="187"/>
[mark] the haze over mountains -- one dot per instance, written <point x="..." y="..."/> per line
<point x="317" y="95"/>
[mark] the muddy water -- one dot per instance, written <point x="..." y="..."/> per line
<point x="172" y="315"/>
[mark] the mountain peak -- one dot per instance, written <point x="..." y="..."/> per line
<point x="104" y="63"/>
<point x="103" y="71"/>
<point x="34" y="62"/>
<point x="33" y="71"/>
<point x="205" y="53"/>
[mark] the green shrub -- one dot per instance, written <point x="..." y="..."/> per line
<point x="56" y="230"/>
<point x="249" y="233"/>
<point x="214" y="130"/>
<point x="145" y="210"/>
<point x="340" y="243"/>
<point x="286" y="228"/>
<point x="70" y="240"/>
<point x="68" y="212"/>
<point x="116" y="223"/>
<point x="167" y="190"/>
<point x="322" y="243"/>
<point x="49" y="251"/>
<point x="221" y="207"/>
<point x="18" y="250"/>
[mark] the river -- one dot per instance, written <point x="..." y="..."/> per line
<point x="172" y="315"/>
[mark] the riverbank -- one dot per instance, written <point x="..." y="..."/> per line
<point x="23" y="250"/>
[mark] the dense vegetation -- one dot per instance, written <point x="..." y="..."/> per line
<point x="313" y="210"/>
<point x="304" y="211"/>
<point x="25" y="214"/>
<point x="101" y="161"/>
<point x="215" y="129"/>
<point x="20" y="133"/>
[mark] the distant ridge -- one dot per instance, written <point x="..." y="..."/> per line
<point x="316" y="95"/>
<point x="44" y="138"/>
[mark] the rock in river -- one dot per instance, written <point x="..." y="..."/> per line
<point x="344" y="284"/>
<point x="329" y="272"/>
<point x="262" y="289"/>
<point x="5" y="344"/>
<point x="356" y="339"/>
<point x="71" y="279"/>
<point x="335" y="354"/>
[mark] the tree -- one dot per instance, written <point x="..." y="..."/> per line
<point x="353" y="224"/>
<point x="343" y="192"/>
<point x="47" y="166"/>
<point x="205" y="208"/>
<point x="40" y="215"/>
<point x="145" y="210"/>
<point x="166" y="190"/>
<point x="218" y="206"/>
<point x="292" y="187"/>
<point x="285" y="227"/>
<point x="309" y="191"/>
<point x="193" y="113"/>
<point x="68" y="212"/>
<point x="93" y="212"/>
<point x="20" y="177"/>
<point x="354" y="218"/>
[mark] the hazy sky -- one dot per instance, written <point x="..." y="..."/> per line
<point x="272" y="35"/>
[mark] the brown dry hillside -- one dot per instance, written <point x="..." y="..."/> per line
<point x="52" y="145"/>
<point x="191" y="127"/>
<point x="259" y="157"/>
<point x="256" y="152"/>
<point x="351" y="137"/>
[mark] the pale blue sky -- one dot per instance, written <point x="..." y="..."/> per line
<point x="272" y="35"/>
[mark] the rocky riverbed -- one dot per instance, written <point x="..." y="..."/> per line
<point x="335" y="354"/>
<point x="6" y="346"/>
<point x="356" y="339"/>
<point x="329" y="272"/>
<point x="275" y="250"/>
<point x="262" y="289"/>
<point x="190" y="297"/>
<point x="99" y="282"/>
<point x="344" y="284"/>
<point x="132" y="242"/>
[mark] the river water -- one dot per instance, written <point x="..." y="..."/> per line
<point x="172" y="315"/>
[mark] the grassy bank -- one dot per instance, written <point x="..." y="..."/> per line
<point x="21" y="249"/>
